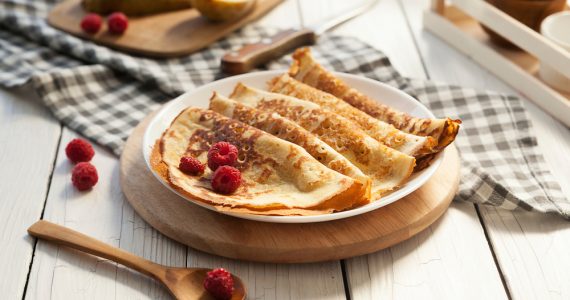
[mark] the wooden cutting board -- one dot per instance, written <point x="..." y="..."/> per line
<point x="236" y="238"/>
<point x="164" y="35"/>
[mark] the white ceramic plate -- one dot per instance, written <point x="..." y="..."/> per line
<point x="200" y="98"/>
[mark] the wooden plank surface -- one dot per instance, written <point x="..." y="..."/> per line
<point x="383" y="27"/>
<point x="104" y="214"/>
<point x="531" y="249"/>
<point x="449" y="260"/>
<point x="455" y="247"/>
<point x="61" y="273"/>
<point x="29" y="138"/>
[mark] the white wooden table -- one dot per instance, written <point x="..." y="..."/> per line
<point x="474" y="252"/>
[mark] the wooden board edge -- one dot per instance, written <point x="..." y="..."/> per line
<point x="371" y="246"/>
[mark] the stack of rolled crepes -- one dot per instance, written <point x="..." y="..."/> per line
<point x="308" y="145"/>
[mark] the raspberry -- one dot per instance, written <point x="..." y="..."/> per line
<point x="117" y="23"/>
<point x="222" y="154"/>
<point x="226" y="180"/>
<point x="219" y="283"/>
<point x="191" y="166"/>
<point x="79" y="150"/>
<point x="91" y="23"/>
<point x="84" y="176"/>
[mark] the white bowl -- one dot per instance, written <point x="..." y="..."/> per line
<point x="556" y="28"/>
<point x="200" y="98"/>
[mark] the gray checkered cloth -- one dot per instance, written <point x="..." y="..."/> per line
<point x="103" y="94"/>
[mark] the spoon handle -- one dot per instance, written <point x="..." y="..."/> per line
<point x="70" y="238"/>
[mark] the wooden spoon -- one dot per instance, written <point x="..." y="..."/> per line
<point x="183" y="283"/>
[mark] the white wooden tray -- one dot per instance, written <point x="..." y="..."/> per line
<point x="458" y="24"/>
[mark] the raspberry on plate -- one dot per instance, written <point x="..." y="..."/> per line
<point x="222" y="154"/>
<point x="191" y="166"/>
<point x="226" y="180"/>
<point x="79" y="150"/>
<point x="91" y="23"/>
<point x="84" y="176"/>
<point x="117" y="23"/>
<point x="219" y="283"/>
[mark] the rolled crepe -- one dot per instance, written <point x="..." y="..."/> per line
<point x="308" y="71"/>
<point x="278" y="177"/>
<point x="383" y="132"/>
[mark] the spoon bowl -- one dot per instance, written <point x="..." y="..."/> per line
<point x="183" y="283"/>
<point x="188" y="282"/>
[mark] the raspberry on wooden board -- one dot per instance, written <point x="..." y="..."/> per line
<point x="117" y="23"/>
<point x="91" y="23"/>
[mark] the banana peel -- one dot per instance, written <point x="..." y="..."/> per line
<point x="135" y="7"/>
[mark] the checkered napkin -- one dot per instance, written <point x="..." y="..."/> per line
<point x="103" y="94"/>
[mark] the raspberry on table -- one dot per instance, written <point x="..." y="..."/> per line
<point x="191" y="166"/>
<point x="222" y="154"/>
<point x="117" y="23"/>
<point x="79" y="150"/>
<point x="226" y="180"/>
<point x="84" y="176"/>
<point x="91" y="23"/>
<point x="219" y="283"/>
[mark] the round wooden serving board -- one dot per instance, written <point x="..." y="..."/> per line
<point x="236" y="238"/>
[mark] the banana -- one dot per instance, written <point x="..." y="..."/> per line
<point x="223" y="10"/>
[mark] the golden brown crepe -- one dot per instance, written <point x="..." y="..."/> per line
<point x="278" y="177"/>
<point x="288" y="130"/>
<point x="383" y="132"/>
<point x="386" y="167"/>
<point x="308" y="71"/>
